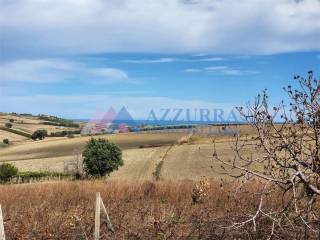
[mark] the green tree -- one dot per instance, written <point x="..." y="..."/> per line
<point x="6" y="141"/>
<point x="39" y="134"/>
<point x="101" y="157"/>
<point x="7" y="171"/>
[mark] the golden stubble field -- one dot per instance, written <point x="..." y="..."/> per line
<point x="26" y="124"/>
<point x="147" y="155"/>
<point x="142" y="154"/>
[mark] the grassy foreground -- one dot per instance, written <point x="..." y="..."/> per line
<point x="138" y="210"/>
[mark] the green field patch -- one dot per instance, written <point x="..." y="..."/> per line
<point x="3" y="145"/>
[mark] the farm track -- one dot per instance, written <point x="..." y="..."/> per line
<point x="157" y="172"/>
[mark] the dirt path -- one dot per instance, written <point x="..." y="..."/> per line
<point x="157" y="172"/>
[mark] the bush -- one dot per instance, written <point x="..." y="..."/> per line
<point x="30" y="174"/>
<point x="11" y="120"/>
<point x="39" y="134"/>
<point x="55" y="121"/>
<point x="101" y="157"/>
<point x="64" y="133"/>
<point x="8" y="125"/>
<point x="6" y="141"/>
<point x="7" y="171"/>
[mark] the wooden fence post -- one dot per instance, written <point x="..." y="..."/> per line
<point x="99" y="205"/>
<point x="2" y="235"/>
<point x="109" y="224"/>
<point x="97" y="218"/>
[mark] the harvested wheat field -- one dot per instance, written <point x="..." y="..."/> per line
<point x="147" y="156"/>
<point x="55" y="153"/>
<point x="66" y="147"/>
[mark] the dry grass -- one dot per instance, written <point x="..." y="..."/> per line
<point x="138" y="210"/>
<point x="11" y="136"/>
<point x="21" y="119"/>
<point x="194" y="161"/>
<point x="139" y="164"/>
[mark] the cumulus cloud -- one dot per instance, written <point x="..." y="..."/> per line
<point x="94" y="26"/>
<point x="58" y="70"/>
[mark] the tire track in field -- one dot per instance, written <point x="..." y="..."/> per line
<point x="157" y="172"/>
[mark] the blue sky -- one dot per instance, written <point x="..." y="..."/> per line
<point x="73" y="58"/>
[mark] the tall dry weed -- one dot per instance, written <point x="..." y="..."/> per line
<point x="138" y="210"/>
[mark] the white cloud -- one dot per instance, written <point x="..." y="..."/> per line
<point x="41" y="70"/>
<point x="110" y="73"/>
<point x="211" y="59"/>
<point x="160" y="60"/>
<point x="199" y="54"/>
<point x="170" y="60"/>
<point x="58" y="70"/>
<point x="223" y="70"/>
<point x="93" y="26"/>
<point x="193" y="70"/>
